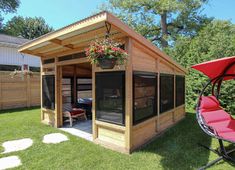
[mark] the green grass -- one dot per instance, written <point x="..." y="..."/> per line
<point x="175" y="149"/>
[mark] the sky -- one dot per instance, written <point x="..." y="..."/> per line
<point x="59" y="13"/>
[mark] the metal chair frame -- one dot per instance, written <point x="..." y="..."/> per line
<point x="221" y="151"/>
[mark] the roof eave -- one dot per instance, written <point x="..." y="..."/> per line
<point x="95" y="19"/>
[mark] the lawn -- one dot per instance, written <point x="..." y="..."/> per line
<point x="175" y="149"/>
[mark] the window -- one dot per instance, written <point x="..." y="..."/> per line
<point x="9" y="67"/>
<point x="48" y="61"/>
<point x="180" y="90"/>
<point x="84" y="84"/>
<point x="72" y="56"/>
<point x="110" y="97"/>
<point x="166" y="92"/>
<point x="145" y="95"/>
<point x="48" y="91"/>
<point x="67" y="90"/>
<point x="84" y="88"/>
<point x="34" y="69"/>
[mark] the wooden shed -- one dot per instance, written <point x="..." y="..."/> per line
<point x="150" y="86"/>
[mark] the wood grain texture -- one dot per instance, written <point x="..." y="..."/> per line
<point x="19" y="92"/>
<point x="112" y="136"/>
<point x="129" y="95"/>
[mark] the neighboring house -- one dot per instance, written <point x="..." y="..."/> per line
<point x="11" y="59"/>
<point x="17" y="91"/>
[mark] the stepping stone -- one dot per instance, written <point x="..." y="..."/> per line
<point x="9" y="162"/>
<point x="17" y="145"/>
<point x="54" y="138"/>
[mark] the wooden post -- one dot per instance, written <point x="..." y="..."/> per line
<point x="0" y="91"/>
<point x="41" y="71"/>
<point x="28" y="90"/>
<point x="129" y="96"/>
<point x="58" y="96"/>
<point x="60" y="107"/>
<point x="158" y="95"/>
<point x="174" y="96"/>
<point x="56" y="117"/>
<point x="94" y="126"/>
<point x="75" y="84"/>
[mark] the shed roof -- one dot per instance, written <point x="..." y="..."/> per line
<point x="77" y="36"/>
<point x="8" y="40"/>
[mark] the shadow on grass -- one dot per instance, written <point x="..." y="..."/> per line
<point x="19" y="109"/>
<point x="179" y="147"/>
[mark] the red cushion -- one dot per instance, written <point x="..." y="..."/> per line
<point x="76" y="112"/>
<point x="209" y="103"/>
<point x="215" y="116"/>
<point x="223" y="126"/>
<point x="225" y="129"/>
<point x="228" y="135"/>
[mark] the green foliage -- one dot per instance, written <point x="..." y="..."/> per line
<point x="28" y="27"/>
<point x="8" y="6"/>
<point x="216" y="40"/>
<point x="161" y="20"/>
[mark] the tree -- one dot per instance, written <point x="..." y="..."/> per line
<point x="216" y="40"/>
<point x="8" y="6"/>
<point x="161" y="21"/>
<point x="28" y="27"/>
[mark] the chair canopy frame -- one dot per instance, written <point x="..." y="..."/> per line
<point x="215" y="90"/>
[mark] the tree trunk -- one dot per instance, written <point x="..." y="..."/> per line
<point x="164" y="30"/>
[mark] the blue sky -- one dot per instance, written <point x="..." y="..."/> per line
<point x="59" y="13"/>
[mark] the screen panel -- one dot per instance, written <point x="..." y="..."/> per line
<point x="48" y="91"/>
<point x="110" y="97"/>
<point x="180" y="90"/>
<point x="166" y="92"/>
<point x="144" y="96"/>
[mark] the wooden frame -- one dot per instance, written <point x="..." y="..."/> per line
<point x="143" y="56"/>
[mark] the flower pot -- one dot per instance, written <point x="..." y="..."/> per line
<point x="107" y="63"/>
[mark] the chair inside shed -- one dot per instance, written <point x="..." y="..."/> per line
<point x="77" y="96"/>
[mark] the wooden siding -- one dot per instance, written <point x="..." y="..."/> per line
<point x="165" y="120"/>
<point x="145" y="60"/>
<point x="142" y="58"/>
<point x="145" y="131"/>
<point x="17" y="92"/>
<point x="179" y="113"/>
<point x="111" y="136"/>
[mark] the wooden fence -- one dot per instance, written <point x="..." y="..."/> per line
<point x="19" y="92"/>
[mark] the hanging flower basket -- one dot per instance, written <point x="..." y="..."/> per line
<point x="107" y="63"/>
<point x="106" y="53"/>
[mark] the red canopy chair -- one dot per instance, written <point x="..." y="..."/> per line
<point x="213" y="120"/>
